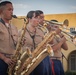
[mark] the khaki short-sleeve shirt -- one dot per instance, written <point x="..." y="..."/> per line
<point x="6" y="42"/>
<point x="38" y="37"/>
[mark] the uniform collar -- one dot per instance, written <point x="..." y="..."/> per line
<point x="7" y="25"/>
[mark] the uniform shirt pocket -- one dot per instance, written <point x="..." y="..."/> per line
<point x="1" y="35"/>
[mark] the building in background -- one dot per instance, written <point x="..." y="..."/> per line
<point x="69" y="56"/>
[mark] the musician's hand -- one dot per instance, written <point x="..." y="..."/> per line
<point x="58" y="31"/>
<point x="9" y="61"/>
<point x="61" y="35"/>
<point x="63" y="39"/>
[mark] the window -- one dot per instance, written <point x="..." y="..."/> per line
<point x="72" y="61"/>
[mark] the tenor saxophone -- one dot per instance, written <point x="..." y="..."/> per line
<point x="18" y="56"/>
<point x="38" y="55"/>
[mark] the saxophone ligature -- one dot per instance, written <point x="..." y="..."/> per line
<point x="19" y="57"/>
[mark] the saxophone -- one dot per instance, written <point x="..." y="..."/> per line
<point x="41" y="51"/>
<point x="19" y="56"/>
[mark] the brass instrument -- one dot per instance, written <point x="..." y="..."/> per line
<point x="18" y="56"/>
<point x="37" y="55"/>
<point x="64" y="29"/>
<point x="43" y="29"/>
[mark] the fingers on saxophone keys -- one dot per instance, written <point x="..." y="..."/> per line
<point x="11" y="63"/>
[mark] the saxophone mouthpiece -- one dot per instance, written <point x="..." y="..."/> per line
<point x="14" y="16"/>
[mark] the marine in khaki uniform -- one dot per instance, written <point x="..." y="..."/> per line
<point x="8" y="37"/>
<point x="58" y="42"/>
<point x="33" y="37"/>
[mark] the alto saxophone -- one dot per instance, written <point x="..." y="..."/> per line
<point x="38" y="55"/>
<point x="18" y="56"/>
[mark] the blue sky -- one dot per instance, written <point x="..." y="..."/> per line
<point x="22" y="7"/>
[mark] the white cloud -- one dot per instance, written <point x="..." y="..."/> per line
<point x="73" y="7"/>
<point x="19" y="6"/>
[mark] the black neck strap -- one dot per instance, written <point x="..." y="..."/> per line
<point x="1" y="20"/>
<point x="32" y="36"/>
